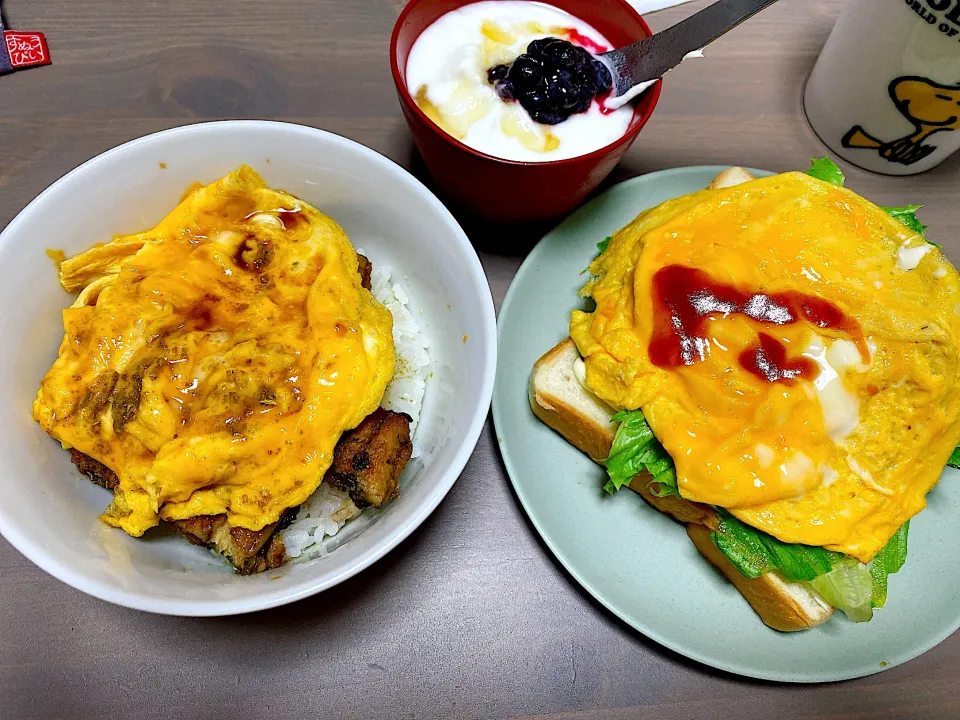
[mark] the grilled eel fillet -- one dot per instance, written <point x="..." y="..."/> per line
<point x="367" y="464"/>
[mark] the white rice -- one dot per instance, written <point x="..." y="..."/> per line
<point x="329" y="509"/>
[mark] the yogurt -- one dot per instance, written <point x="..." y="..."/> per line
<point x="447" y="77"/>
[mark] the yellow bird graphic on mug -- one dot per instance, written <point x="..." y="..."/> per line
<point x="930" y="106"/>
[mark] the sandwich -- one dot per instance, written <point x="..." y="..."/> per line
<point x="774" y="363"/>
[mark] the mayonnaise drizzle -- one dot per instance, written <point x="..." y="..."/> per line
<point x="909" y="257"/>
<point x="840" y="407"/>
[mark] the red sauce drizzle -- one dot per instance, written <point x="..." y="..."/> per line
<point x="578" y="38"/>
<point x="769" y="362"/>
<point x="685" y="298"/>
<point x="601" y="101"/>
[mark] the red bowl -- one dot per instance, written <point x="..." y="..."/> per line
<point x="507" y="190"/>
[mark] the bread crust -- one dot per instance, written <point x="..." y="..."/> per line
<point x="779" y="604"/>
<point x="729" y="178"/>
<point x="592" y="438"/>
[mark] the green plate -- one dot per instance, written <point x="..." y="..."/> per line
<point x="638" y="562"/>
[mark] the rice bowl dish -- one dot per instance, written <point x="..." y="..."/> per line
<point x="401" y="226"/>
<point x="220" y="367"/>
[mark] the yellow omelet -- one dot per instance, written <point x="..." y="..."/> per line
<point x="214" y="361"/>
<point x="795" y="349"/>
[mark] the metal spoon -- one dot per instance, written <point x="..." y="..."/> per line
<point x="645" y="61"/>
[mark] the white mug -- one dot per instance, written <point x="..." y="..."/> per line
<point x="885" y="92"/>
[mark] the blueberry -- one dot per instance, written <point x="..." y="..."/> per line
<point x="562" y="54"/>
<point x="563" y="93"/>
<point x="497" y="72"/>
<point x="504" y="90"/>
<point x="561" y="96"/>
<point x="582" y="102"/>
<point x="604" y="79"/>
<point x="569" y="57"/>
<point x="548" y="117"/>
<point x="586" y="78"/>
<point x="537" y="46"/>
<point x="552" y="80"/>
<point x="537" y="98"/>
<point x="526" y="73"/>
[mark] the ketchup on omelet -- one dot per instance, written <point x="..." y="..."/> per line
<point x="685" y="298"/>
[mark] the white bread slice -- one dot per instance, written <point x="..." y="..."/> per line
<point x="781" y="604"/>
<point x="561" y="401"/>
<point x="582" y="418"/>
<point x="729" y="178"/>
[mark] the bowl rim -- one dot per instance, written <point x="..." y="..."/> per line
<point x="35" y="551"/>
<point x="407" y="99"/>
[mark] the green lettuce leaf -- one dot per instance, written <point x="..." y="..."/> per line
<point x="858" y="589"/>
<point x="827" y="170"/>
<point x="602" y="245"/>
<point x="843" y="581"/>
<point x="754" y="553"/>
<point x="908" y="216"/>
<point x="888" y="561"/>
<point x="634" y="450"/>
<point x="848" y="587"/>
<point x="954" y="460"/>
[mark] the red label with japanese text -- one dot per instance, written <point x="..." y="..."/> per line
<point x="26" y="49"/>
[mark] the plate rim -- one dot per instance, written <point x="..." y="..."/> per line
<point x="497" y="411"/>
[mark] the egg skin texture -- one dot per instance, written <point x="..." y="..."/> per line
<point x="214" y="361"/>
<point x="839" y="460"/>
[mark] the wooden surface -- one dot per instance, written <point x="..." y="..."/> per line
<point x="470" y="616"/>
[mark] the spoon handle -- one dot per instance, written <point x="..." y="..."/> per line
<point x="652" y="57"/>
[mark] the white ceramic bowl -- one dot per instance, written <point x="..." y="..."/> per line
<point x="48" y="511"/>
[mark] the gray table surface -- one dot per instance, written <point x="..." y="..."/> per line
<point x="471" y="616"/>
